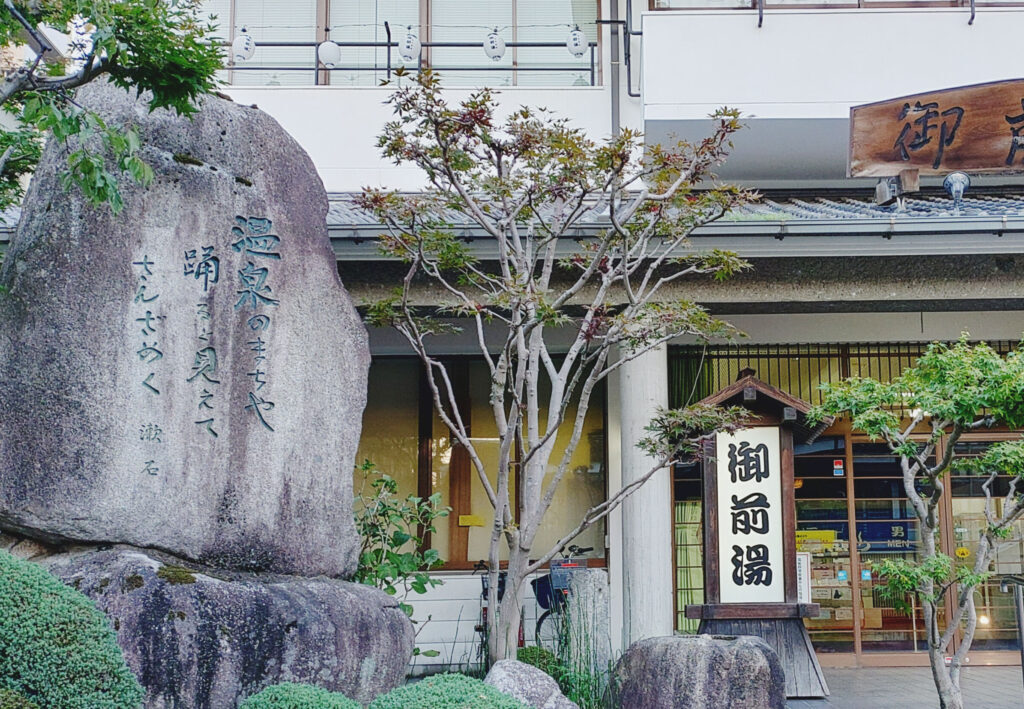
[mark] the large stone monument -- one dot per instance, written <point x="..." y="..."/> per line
<point x="188" y="375"/>
<point x="187" y="378"/>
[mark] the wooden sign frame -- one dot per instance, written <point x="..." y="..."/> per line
<point x="779" y="624"/>
<point x="977" y="128"/>
<point x="713" y="607"/>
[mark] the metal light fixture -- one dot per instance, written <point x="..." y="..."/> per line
<point x="955" y="184"/>
<point x="243" y="47"/>
<point x="494" y="46"/>
<point x="576" y="42"/>
<point x="328" y="52"/>
<point x="410" y="47"/>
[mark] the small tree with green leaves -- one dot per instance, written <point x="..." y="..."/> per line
<point x="394" y="530"/>
<point x="951" y="390"/>
<point x="160" y="46"/>
<point x="561" y="305"/>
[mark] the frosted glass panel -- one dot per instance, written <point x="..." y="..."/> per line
<point x="469" y="21"/>
<point x="363" y="21"/>
<point x="547" y="21"/>
<point x="271" y="21"/>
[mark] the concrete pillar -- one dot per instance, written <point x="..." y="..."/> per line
<point x="647" y="513"/>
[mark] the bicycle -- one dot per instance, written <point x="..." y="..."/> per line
<point x="552" y="590"/>
<point x="482" y="653"/>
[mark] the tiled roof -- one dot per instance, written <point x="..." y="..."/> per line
<point x="343" y="212"/>
<point x="984" y="205"/>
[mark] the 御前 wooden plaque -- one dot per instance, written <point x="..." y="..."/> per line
<point x="976" y="128"/>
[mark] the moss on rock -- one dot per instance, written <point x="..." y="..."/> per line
<point x="176" y="574"/>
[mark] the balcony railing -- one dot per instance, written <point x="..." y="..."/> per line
<point x="318" y="72"/>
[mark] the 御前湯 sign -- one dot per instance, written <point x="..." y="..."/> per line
<point x="977" y="128"/>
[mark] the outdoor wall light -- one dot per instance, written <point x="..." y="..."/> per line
<point x="410" y="47"/>
<point x="577" y="42"/>
<point x="955" y="184"/>
<point x="494" y="46"/>
<point x="328" y="52"/>
<point x="243" y="47"/>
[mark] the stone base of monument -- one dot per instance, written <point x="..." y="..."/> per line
<point x="700" y="672"/>
<point x="207" y="640"/>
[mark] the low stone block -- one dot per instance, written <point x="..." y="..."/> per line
<point x="700" y="672"/>
<point x="196" y="641"/>
<point x="531" y="686"/>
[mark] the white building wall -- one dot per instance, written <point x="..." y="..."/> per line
<point x="338" y="126"/>
<point x="813" y="63"/>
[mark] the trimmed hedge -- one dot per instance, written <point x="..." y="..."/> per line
<point x="446" y="691"/>
<point x="56" y="648"/>
<point x="289" y="695"/>
<point x="9" y="699"/>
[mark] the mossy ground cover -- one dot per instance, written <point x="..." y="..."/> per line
<point x="56" y="649"/>
<point x="446" y="691"/>
<point x="298" y="696"/>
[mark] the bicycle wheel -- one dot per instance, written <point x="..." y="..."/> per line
<point x="546" y="633"/>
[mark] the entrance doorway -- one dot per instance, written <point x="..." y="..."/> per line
<point x="846" y="483"/>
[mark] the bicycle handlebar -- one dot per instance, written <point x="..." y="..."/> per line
<point x="577" y="550"/>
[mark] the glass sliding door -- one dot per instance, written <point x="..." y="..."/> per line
<point x="823" y="530"/>
<point x="886" y="529"/>
<point x="997" y="624"/>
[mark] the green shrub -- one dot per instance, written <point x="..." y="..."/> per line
<point x="9" y="699"/>
<point x="446" y="691"/>
<point x="56" y="648"/>
<point x="298" y="696"/>
<point x="541" y="658"/>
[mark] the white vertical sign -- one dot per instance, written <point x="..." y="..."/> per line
<point x="803" y="577"/>
<point x="750" y="562"/>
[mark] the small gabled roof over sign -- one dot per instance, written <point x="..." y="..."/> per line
<point x="761" y="398"/>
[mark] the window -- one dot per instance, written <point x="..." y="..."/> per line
<point x="452" y="33"/>
<point x="997" y="626"/>
<point x="393" y="438"/>
<point x="363" y="21"/>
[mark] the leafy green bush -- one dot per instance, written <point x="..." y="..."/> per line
<point x="298" y="696"/>
<point x="9" y="699"/>
<point x="446" y="691"/>
<point x="541" y="658"/>
<point x="392" y="556"/>
<point x="56" y="648"/>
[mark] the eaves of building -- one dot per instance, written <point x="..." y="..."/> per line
<point x="812" y="252"/>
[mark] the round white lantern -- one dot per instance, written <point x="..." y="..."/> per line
<point x="243" y="47"/>
<point x="577" y="42"/>
<point x="409" y="49"/>
<point x="494" y="46"/>
<point x="329" y="54"/>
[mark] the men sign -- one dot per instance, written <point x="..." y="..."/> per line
<point x="976" y="129"/>
<point x="751" y="564"/>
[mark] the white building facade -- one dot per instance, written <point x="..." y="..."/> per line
<point x="841" y="286"/>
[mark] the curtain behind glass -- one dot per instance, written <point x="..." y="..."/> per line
<point x="275" y="21"/>
<point x="363" y="21"/>
<point x="470" y="21"/>
<point x="551" y="21"/>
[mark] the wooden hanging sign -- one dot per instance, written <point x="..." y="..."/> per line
<point x="978" y="129"/>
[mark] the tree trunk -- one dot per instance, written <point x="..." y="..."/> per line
<point x="503" y="626"/>
<point x="950" y="696"/>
